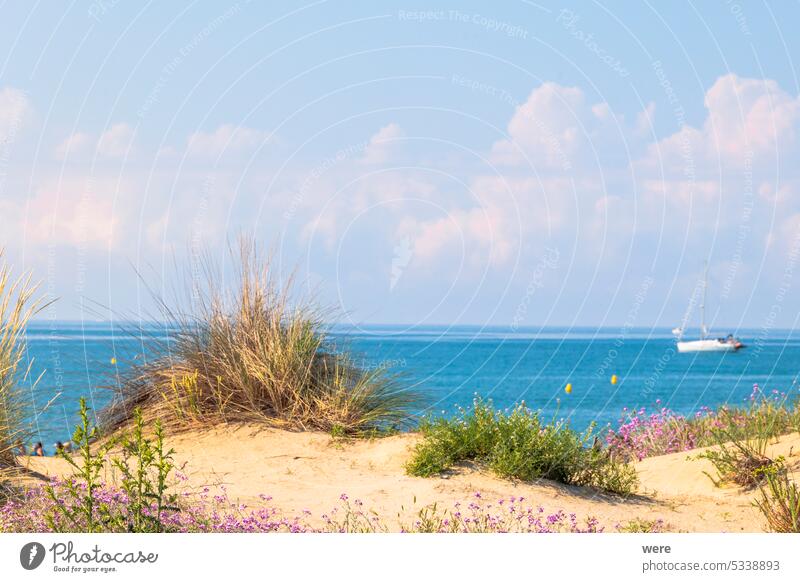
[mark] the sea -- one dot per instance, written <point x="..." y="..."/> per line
<point x="610" y="370"/>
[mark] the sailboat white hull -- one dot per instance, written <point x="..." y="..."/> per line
<point x="728" y="344"/>
<point x="708" y="345"/>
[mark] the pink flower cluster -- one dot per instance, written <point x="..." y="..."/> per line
<point x="512" y="515"/>
<point x="641" y="434"/>
<point x="35" y="511"/>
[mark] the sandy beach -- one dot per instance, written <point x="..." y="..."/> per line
<point x="309" y="471"/>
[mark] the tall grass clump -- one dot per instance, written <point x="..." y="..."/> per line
<point x="18" y="303"/>
<point x="519" y="445"/>
<point x="252" y="351"/>
<point x="779" y="503"/>
<point x="740" y="454"/>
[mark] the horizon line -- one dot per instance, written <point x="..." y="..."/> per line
<point x="438" y="325"/>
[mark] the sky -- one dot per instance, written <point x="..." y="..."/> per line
<point x="516" y="163"/>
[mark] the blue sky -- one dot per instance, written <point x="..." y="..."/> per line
<point x="508" y="163"/>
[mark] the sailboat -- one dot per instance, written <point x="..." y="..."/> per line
<point x="706" y="344"/>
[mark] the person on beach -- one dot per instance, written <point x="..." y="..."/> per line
<point x="38" y="450"/>
<point x="59" y="446"/>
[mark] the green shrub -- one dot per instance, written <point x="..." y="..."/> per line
<point x="85" y="481"/>
<point x="144" y="466"/>
<point x="518" y="445"/>
<point x="448" y="441"/>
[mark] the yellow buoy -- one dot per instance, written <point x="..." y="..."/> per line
<point x="568" y="389"/>
<point x="614" y="379"/>
<point x="113" y="361"/>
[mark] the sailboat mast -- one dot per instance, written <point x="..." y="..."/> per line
<point x="703" y="304"/>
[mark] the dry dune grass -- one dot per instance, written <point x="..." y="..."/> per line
<point x="253" y="352"/>
<point x="18" y="303"/>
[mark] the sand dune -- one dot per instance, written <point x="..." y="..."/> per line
<point x="302" y="470"/>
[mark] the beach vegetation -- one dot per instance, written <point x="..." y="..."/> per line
<point x="640" y="525"/>
<point x="144" y="498"/>
<point x="254" y="351"/>
<point x="518" y="445"/>
<point x="18" y="303"/>
<point x="87" y="468"/>
<point x="640" y="434"/>
<point x="741" y="437"/>
<point x="739" y="455"/>
<point x="144" y="467"/>
<point x="779" y="502"/>
<point x="741" y="463"/>
<point x="511" y="515"/>
<point x="207" y="512"/>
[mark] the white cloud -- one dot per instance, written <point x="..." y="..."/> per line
<point x="76" y="145"/>
<point x="729" y="176"/>
<point x="750" y="121"/>
<point x="71" y="210"/>
<point x="225" y="139"/>
<point x="602" y="183"/>
<point x="116" y="142"/>
<point x="599" y="187"/>
<point x="546" y="129"/>
<point x="479" y="235"/>
<point x="382" y="145"/>
<point x="645" y="120"/>
<point x="749" y="114"/>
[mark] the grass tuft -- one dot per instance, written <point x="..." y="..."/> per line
<point x="18" y="304"/>
<point x="254" y="353"/>
<point x="740" y="455"/>
<point x="780" y="503"/>
<point x="519" y="445"/>
<point x="641" y="525"/>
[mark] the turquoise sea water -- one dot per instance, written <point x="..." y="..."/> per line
<point x="449" y="365"/>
